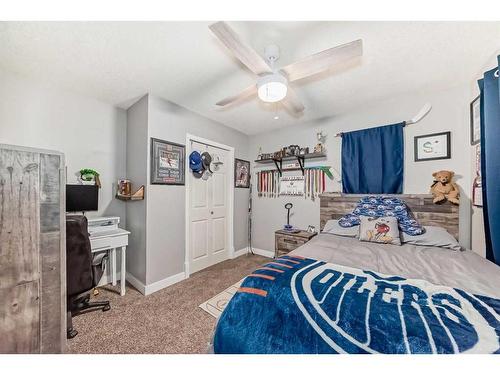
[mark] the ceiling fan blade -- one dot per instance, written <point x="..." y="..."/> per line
<point x="324" y="60"/>
<point x="292" y="102"/>
<point x="249" y="91"/>
<point x="244" y="53"/>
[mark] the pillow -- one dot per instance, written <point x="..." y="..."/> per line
<point x="380" y="230"/>
<point x="333" y="227"/>
<point x="433" y="236"/>
<point x="381" y="206"/>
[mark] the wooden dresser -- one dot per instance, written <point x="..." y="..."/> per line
<point x="32" y="251"/>
<point x="286" y="241"/>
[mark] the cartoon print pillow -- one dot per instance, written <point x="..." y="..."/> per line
<point x="379" y="229"/>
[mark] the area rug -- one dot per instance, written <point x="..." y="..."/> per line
<point x="216" y="305"/>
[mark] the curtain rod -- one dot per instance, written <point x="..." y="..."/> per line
<point x="419" y="116"/>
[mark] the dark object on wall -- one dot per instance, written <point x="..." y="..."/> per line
<point x="167" y="163"/>
<point x="490" y="161"/>
<point x="475" y="121"/>
<point x="81" y="198"/>
<point x="373" y="160"/>
<point x="83" y="272"/>
<point x="304" y="151"/>
<point x="434" y="146"/>
<point x="241" y="173"/>
<point x="288" y="207"/>
<point x="33" y="248"/>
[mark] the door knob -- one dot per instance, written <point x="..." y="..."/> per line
<point x="211" y="212"/>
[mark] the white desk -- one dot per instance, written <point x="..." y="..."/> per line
<point x="110" y="241"/>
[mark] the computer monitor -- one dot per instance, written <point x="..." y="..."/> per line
<point x="82" y="198"/>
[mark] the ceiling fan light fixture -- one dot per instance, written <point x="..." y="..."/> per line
<point x="272" y="88"/>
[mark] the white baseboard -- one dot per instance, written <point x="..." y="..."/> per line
<point x="264" y="253"/>
<point x="246" y="250"/>
<point x="240" y="252"/>
<point x="158" y="285"/>
<point x="137" y="284"/>
<point x="145" y="289"/>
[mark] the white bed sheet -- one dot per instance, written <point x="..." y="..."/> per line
<point x="461" y="269"/>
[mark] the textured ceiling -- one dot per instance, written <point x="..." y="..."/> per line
<point x="183" y="62"/>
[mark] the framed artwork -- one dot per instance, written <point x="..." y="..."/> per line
<point x="433" y="146"/>
<point x="241" y="173"/>
<point x="167" y="162"/>
<point x="475" y="121"/>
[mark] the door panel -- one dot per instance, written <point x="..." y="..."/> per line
<point x="199" y="234"/>
<point x="219" y="234"/>
<point x="208" y="229"/>
<point x="200" y="190"/>
<point x="219" y="189"/>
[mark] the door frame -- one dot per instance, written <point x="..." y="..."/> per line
<point x="230" y="198"/>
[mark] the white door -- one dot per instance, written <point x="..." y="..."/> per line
<point x="208" y="216"/>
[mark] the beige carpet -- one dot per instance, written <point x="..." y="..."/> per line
<point x="168" y="321"/>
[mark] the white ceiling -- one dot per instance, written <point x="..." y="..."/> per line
<point x="183" y="62"/>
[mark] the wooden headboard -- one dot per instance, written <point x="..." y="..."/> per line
<point x="335" y="205"/>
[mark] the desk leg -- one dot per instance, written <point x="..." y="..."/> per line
<point x="113" y="266"/>
<point x="123" y="272"/>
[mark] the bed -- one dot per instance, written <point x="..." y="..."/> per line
<point x="339" y="295"/>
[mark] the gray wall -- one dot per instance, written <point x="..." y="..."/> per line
<point x="137" y="152"/>
<point x="90" y="133"/>
<point x="450" y="112"/>
<point x="157" y="242"/>
<point x="166" y="204"/>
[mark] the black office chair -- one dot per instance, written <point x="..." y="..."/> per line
<point x="83" y="271"/>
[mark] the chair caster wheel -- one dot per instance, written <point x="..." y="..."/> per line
<point x="71" y="333"/>
<point x="106" y="308"/>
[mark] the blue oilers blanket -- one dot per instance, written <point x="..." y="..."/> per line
<point x="300" y="305"/>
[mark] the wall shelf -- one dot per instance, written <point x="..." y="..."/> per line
<point x="137" y="196"/>
<point x="299" y="158"/>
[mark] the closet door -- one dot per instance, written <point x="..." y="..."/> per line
<point x="208" y="216"/>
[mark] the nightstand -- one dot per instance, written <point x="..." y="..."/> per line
<point x="286" y="241"/>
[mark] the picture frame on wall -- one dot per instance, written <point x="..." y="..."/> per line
<point x="167" y="163"/>
<point x="475" y="121"/>
<point x="434" y="146"/>
<point x="241" y="173"/>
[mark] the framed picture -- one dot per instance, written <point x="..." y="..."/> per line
<point x="433" y="146"/>
<point x="241" y="173"/>
<point x="167" y="162"/>
<point x="475" y="121"/>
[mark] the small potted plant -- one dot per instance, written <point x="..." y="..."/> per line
<point x="88" y="176"/>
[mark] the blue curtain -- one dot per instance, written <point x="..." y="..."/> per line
<point x="373" y="160"/>
<point x="490" y="161"/>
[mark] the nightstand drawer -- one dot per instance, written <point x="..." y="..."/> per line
<point x="289" y="243"/>
<point x="286" y="242"/>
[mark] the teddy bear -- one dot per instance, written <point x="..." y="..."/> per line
<point x="443" y="188"/>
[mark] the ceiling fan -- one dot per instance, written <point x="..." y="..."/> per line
<point x="273" y="84"/>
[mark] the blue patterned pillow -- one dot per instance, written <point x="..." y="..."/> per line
<point x="380" y="206"/>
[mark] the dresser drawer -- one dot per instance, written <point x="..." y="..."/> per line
<point x="108" y="242"/>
